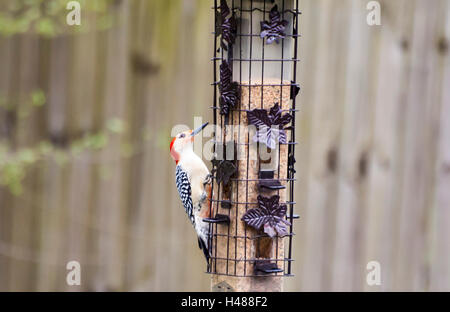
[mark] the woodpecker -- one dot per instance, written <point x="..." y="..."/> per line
<point x="193" y="181"/>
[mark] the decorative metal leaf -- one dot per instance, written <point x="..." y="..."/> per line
<point x="271" y="126"/>
<point x="258" y="117"/>
<point x="269" y="230"/>
<point x="295" y="89"/>
<point x="270" y="215"/>
<point x="291" y="163"/>
<point x="226" y="26"/>
<point x="273" y="29"/>
<point x="229" y="90"/>
<point x="255" y="218"/>
<point x="224" y="170"/>
<point x="276" y="117"/>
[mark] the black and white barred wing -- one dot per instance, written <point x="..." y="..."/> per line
<point x="184" y="189"/>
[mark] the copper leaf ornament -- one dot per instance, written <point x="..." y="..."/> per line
<point x="224" y="170"/>
<point x="226" y="25"/>
<point x="273" y="29"/>
<point x="229" y="89"/>
<point x="270" y="126"/>
<point x="269" y="215"/>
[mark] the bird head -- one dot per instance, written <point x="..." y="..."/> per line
<point x="183" y="141"/>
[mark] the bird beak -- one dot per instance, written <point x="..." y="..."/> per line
<point x="197" y="131"/>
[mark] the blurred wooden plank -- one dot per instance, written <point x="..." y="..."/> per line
<point x="354" y="150"/>
<point x="5" y="230"/>
<point x="412" y="269"/>
<point x="92" y="264"/>
<point x="82" y="105"/>
<point x="6" y="57"/>
<point x="178" y="61"/>
<point x="306" y="73"/>
<point x="384" y="178"/>
<point x="37" y="173"/>
<point x="136" y="256"/>
<point x="26" y="132"/>
<point x="110" y="201"/>
<point x="51" y="272"/>
<point x="324" y="154"/>
<point x="6" y="63"/>
<point x="440" y="251"/>
<point x="78" y="204"/>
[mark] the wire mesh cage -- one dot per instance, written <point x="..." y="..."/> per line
<point x="255" y="89"/>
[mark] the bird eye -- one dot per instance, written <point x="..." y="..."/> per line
<point x="182" y="135"/>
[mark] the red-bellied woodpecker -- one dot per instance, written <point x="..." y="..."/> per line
<point x="193" y="182"/>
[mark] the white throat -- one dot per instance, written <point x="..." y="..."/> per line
<point x="193" y="164"/>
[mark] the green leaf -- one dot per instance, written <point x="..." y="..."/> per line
<point x="46" y="27"/>
<point x="26" y="156"/>
<point x="115" y="125"/>
<point x="38" y="98"/>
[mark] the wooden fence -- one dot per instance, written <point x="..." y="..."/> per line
<point x="373" y="162"/>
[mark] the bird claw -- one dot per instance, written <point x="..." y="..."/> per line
<point x="208" y="179"/>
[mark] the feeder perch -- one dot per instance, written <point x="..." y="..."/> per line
<point x="219" y="218"/>
<point x="255" y="64"/>
<point x="270" y="185"/>
<point x="266" y="267"/>
<point x="267" y="182"/>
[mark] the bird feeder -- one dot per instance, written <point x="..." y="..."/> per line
<point x="255" y="89"/>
